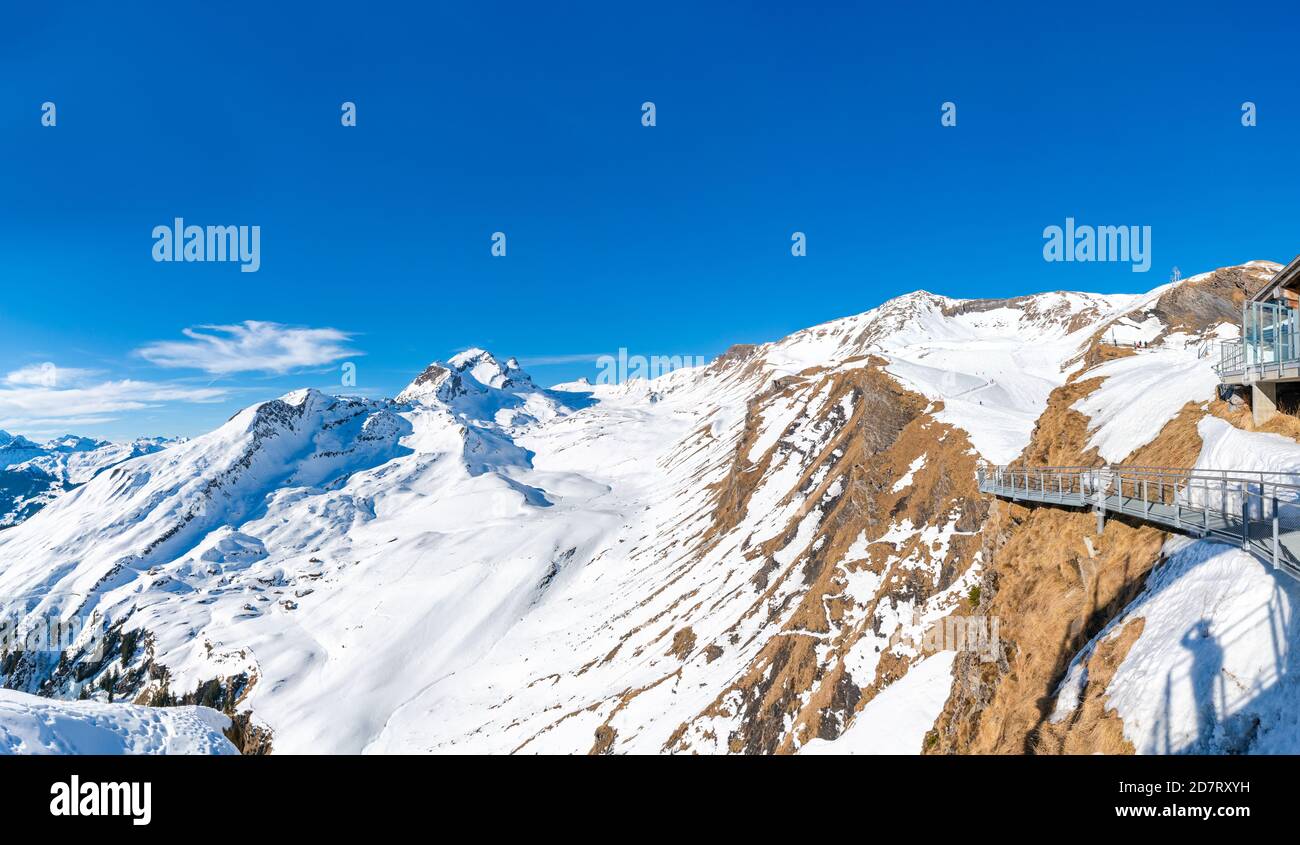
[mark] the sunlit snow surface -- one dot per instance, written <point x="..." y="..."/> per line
<point x="994" y="370"/>
<point x="1140" y="394"/>
<point x="34" y="725"/>
<point x="897" y="720"/>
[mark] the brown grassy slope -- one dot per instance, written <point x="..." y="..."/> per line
<point x="1061" y="432"/>
<point x="1286" y="424"/>
<point x="1051" y="590"/>
<point x="1053" y="584"/>
<point x="1093" y="727"/>
<point x="798" y="687"/>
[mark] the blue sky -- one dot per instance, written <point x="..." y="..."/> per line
<point x="526" y="119"/>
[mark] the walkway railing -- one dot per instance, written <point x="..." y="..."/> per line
<point x="1260" y="511"/>
<point x="1237" y="358"/>
<point x="1232" y="358"/>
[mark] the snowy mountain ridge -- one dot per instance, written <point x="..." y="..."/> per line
<point x="34" y="474"/>
<point x="72" y="458"/>
<point x="739" y="557"/>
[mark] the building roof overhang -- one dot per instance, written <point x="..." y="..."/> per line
<point x="1288" y="276"/>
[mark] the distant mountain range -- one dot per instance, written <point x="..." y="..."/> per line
<point x="34" y="474"/>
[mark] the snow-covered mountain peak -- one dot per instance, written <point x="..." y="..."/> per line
<point x="916" y="298"/>
<point x="427" y="384"/>
<point x="74" y="443"/>
<point x="473" y="373"/>
<point x="921" y="321"/>
<point x="581" y="384"/>
<point x="489" y="371"/>
<point x="16" y="443"/>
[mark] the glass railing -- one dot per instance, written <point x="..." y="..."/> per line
<point x="1270" y="338"/>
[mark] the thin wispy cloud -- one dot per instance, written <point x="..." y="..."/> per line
<point x="48" y="375"/>
<point x="42" y="430"/>
<point x="32" y="407"/>
<point x="251" y="346"/>
<point x="549" y="360"/>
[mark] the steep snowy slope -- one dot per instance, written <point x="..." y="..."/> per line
<point x="23" y="492"/>
<point x="740" y="557"/>
<point x="34" y="474"/>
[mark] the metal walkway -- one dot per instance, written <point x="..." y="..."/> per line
<point x="1259" y="511"/>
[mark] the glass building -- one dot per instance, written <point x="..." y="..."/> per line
<point x="1267" y="357"/>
